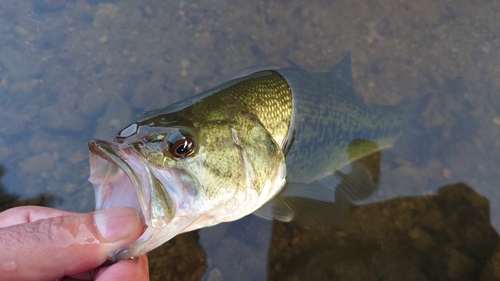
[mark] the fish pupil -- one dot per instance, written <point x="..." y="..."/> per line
<point x="183" y="148"/>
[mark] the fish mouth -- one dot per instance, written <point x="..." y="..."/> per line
<point x="107" y="171"/>
<point x="121" y="177"/>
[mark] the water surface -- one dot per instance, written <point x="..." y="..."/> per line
<point x="73" y="70"/>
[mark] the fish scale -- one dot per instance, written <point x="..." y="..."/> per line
<point x="265" y="95"/>
<point x="329" y="115"/>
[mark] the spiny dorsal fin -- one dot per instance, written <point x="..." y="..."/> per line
<point x="343" y="70"/>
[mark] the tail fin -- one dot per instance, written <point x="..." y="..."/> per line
<point x="415" y="142"/>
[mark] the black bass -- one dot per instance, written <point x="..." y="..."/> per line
<point x="256" y="144"/>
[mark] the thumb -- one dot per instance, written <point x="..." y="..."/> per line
<point x="54" y="247"/>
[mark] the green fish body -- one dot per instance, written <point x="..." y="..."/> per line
<point x="256" y="144"/>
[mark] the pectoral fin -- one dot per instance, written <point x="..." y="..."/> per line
<point x="321" y="202"/>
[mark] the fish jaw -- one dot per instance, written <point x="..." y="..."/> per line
<point x="122" y="178"/>
<point x="172" y="200"/>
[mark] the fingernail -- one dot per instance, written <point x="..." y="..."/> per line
<point x="116" y="223"/>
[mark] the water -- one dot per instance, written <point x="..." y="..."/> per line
<point x="75" y="70"/>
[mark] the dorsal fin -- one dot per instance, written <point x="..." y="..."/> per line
<point x="343" y="70"/>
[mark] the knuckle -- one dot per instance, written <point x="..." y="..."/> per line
<point x="55" y="231"/>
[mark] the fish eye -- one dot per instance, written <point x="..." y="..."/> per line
<point x="182" y="148"/>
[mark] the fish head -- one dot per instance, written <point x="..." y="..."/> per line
<point x="182" y="174"/>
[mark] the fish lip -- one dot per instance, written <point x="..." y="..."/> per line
<point x="107" y="151"/>
<point x="115" y="167"/>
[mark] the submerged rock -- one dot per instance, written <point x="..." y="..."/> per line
<point x="179" y="259"/>
<point x="447" y="236"/>
<point x="105" y="15"/>
<point x="20" y="67"/>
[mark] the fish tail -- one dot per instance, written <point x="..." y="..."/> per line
<point x="415" y="141"/>
<point x="417" y="106"/>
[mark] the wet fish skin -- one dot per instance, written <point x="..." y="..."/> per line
<point x="236" y="166"/>
<point x="253" y="144"/>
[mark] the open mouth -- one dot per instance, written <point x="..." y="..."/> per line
<point x="162" y="195"/>
<point x="115" y="182"/>
<point x="122" y="178"/>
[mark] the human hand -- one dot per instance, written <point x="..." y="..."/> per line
<point x="39" y="243"/>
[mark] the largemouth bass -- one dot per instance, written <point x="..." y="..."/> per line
<point x="256" y="144"/>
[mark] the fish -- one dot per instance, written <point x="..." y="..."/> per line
<point x="282" y="144"/>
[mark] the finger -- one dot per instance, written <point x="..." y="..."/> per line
<point x="128" y="270"/>
<point x="26" y="214"/>
<point x="50" y="248"/>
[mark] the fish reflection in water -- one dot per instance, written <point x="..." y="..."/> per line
<point x="281" y="144"/>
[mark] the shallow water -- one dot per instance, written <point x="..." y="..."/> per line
<point x="75" y="70"/>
